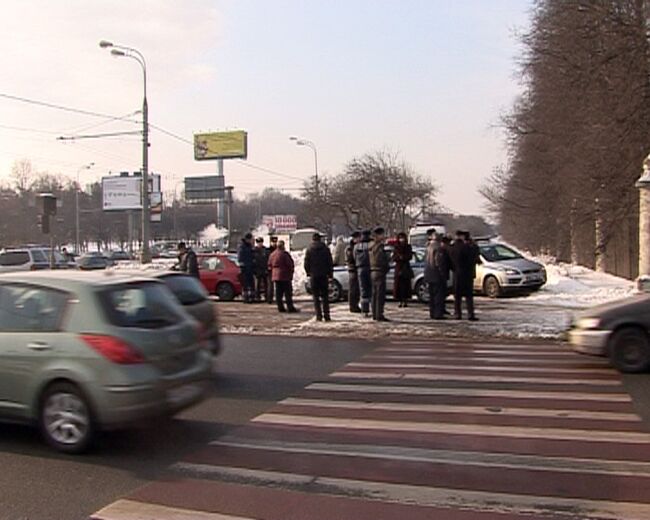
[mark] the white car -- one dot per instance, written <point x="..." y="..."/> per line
<point x="23" y="259"/>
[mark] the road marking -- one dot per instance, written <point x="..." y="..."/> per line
<point x="461" y="458"/>
<point x="493" y="359"/>
<point x="498" y="352"/>
<point x="547" y="370"/>
<point x="429" y="496"/>
<point x="470" y="392"/>
<point x="132" y="510"/>
<point x="459" y="429"/>
<point x="476" y="410"/>
<point x="482" y="379"/>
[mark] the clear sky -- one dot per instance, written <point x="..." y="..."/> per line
<point x="427" y="79"/>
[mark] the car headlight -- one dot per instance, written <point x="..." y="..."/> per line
<point x="588" y="323"/>
<point x="508" y="270"/>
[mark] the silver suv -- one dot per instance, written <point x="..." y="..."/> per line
<point x="30" y="258"/>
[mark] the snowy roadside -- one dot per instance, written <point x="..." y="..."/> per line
<point x="544" y="315"/>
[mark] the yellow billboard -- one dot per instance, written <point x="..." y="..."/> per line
<point x="221" y="145"/>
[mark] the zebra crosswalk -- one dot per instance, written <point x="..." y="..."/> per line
<point x="421" y="429"/>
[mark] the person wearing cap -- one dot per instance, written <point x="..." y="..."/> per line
<point x="270" y="285"/>
<point x="246" y="260"/>
<point x="379" y="267"/>
<point x="282" y="268"/>
<point x="261" y="267"/>
<point x="353" y="277"/>
<point x="187" y="261"/>
<point x="320" y="269"/>
<point x="362" y="262"/>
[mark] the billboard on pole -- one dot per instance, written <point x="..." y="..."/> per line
<point x="121" y="193"/>
<point x="221" y="145"/>
<point x="280" y="223"/>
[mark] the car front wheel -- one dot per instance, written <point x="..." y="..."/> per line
<point x="629" y="350"/>
<point x="335" y="291"/>
<point x="225" y="291"/>
<point x="422" y="291"/>
<point x="65" y="418"/>
<point x="491" y="287"/>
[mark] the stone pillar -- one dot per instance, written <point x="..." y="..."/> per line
<point x="644" y="219"/>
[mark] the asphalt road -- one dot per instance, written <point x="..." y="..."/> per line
<point x="252" y="374"/>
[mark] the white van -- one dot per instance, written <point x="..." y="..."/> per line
<point x="418" y="233"/>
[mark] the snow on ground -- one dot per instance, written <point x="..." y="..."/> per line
<point x="155" y="265"/>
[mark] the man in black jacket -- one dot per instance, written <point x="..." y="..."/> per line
<point x="261" y="267"/>
<point x="362" y="262"/>
<point x="463" y="258"/>
<point x="188" y="262"/>
<point x="246" y="260"/>
<point x="354" y="295"/>
<point x="379" y="267"/>
<point x="320" y="269"/>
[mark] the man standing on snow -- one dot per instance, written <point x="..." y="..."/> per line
<point x="379" y="267"/>
<point x="246" y="260"/>
<point x="320" y="269"/>
<point x="281" y="266"/>
<point x="261" y="266"/>
<point x="362" y="261"/>
<point x="353" y="278"/>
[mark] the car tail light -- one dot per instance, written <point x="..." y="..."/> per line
<point x="113" y="349"/>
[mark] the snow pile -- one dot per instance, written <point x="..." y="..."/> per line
<point x="577" y="287"/>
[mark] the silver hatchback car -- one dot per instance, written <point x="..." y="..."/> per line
<point x="81" y="352"/>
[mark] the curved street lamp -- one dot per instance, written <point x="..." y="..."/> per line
<point x="134" y="54"/>
<point x="304" y="142"/>
<point x="77" y="243"/>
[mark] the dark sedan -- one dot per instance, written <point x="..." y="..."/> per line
<point x="618" y="330"/>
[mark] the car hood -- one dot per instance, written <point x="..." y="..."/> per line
<point x="522" y="264"/>
<point x="636" y="304"/>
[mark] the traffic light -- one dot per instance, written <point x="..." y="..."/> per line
<point x="44" y="223"/>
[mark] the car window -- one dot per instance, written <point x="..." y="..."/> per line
<point x="144" y="305"/>
<point x="187" y="289"/>
<point x="39" y="256"/>
<point x="418" y="256"/>
<point x="26" y="308"/>
<point x="234" y="259"/>
<point x="212" y="263"/>
<point x="11" y="258"/>
<point x="498" y="253"/>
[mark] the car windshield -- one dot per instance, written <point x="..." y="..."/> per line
<point x="498" y="253"/>
<point x="187" y="289"/>
<point x="146" y="305"/>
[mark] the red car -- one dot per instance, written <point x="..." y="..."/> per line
<point x="220" y="275"/>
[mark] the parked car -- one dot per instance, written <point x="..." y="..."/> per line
<point x="192" y="296"/>
<point x="503" y="270"/>
<point x="93" y="261"/>
<point x="23" y="259"/>
<point x="119" y="256"/>
<point x="83" y="352"/>
<point x="618" y="330"/>
<point x="219" y="275"/>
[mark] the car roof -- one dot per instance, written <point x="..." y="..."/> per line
<point x="70" y="279"/>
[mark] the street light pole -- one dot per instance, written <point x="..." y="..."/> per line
<point x="77" y="243"/>
<point x="309" y="144"/>
<point x="129" y="52"/>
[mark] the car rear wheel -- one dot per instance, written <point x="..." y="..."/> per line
<point x="629" y="350"/>
<point x="65" y="418"/>
<point x="335" y="291"/>
<point x="491" y="287"/>
<point x="225" y="291"/>
<point x="422" y="291"/>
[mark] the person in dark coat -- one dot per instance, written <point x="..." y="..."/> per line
<point x="281" y="266"/>
<point x="246" y="259"/>
<point x="354" y="295"/>
<point x="402" y="255"/>
<point x="187" y="261"/>
<point x="269" y="284"/>
<point x="379" y="267"/>
<point x="362" y="262"/>
<point x="443" y="264"/>
<point x="320" y="269"/>
<point x="261" y="267"/>
<point x="463" y="260"/>
<point x="431" y="273"/>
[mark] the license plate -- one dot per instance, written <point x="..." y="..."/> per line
<point x="183" y="393"/>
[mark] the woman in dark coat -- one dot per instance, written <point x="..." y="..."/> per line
<point x="402" y="255"/>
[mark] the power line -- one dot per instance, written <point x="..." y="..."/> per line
<point x="58" y="107"/>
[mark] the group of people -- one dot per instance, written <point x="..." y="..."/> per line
<point x="268" y="272"/>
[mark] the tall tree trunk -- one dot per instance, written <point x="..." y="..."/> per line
<point x="601" y="247"/>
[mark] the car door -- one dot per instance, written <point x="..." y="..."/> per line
<point x="30" y="319"/>
<point x="211" y="272"/>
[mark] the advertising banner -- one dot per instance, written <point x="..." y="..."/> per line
<point x="221" y="145"/>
